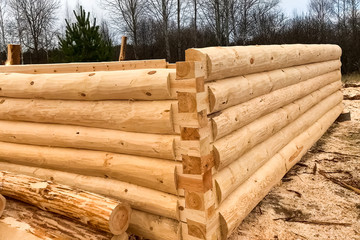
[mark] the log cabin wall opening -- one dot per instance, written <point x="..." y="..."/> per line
<point x="192" y="148"/>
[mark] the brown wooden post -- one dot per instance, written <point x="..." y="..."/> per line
<point x="14" y="52"/>
<point x="123" y="48"/>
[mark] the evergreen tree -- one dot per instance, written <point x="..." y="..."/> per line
<point x="83" y="41"/>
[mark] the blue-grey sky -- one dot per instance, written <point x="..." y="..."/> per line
<point x="289" y="6"/>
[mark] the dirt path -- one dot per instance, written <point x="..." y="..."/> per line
<point x="313" y="201"/>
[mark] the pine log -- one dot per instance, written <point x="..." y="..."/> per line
<point x="68" y="136"/>
<point x="145" y="84"/>
<point x="2" y="204"/>
<point x="232" y="91"/>
<point x="224" y="62"/>
<point x="234" y="145"/>
<point x="140" y="198"/>
<point x="153" y="173"/>
<point x="154" y="227"/>
<point x="13" y="54"/>
<point x="84" y="67"/>
<point x="95" y="210"/>
<point x="240" y="203"/>
<point x="123" y="49"/>
<point x="229" y="178"/>
<point x="142" y="116"/>
<point x="26" y="222"/>
<point x="240" y="115"/>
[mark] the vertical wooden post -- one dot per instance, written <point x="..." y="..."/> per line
<point x="14" y="52"/>
<point x="123" y="48"/>
<point x="202" y="221"/>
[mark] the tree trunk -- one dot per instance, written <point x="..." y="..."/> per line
<point x="92" y="209"/>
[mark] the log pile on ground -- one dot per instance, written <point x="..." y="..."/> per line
<point x="191" y="149"/>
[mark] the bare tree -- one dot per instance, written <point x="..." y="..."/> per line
<point x="3" y="17"/>
<point x="128" y="11"/>
<point x="36" y="17"/>
<point x="162" y="11"/>
<point x="321" y="11"/>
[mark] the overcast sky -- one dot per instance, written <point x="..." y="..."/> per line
<point x="289" y="6"/>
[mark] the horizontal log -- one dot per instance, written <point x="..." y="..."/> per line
<point x="22" y="221"/>
<point x="88" y="208"/>
<point x="144" y="84"/>
<point x="224" y="62"/>
<point x="153" y="173"/>
<point x="138" y="116"/>
<point x="140" y="198"/>
<point x="83" y="67"/>
<point x="154" y="227"/>
<point x="68" y="136"/>
<point x="232" y="91"/>
<point x="232" y="176"/>
<point x="232" y="146"/>
<point x="240" y="203"/>
<point x="240" y="115"/>
<point x="2" y="204"/>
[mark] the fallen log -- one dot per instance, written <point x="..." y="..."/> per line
<point x="144" y="84"/>
<point x="92" y="209"/>
<point x="153" y="173"/>
<point x="138" y="116"/>
<point x="240" y="115"/>
<point x="232" y="91"/>
<point x="224" y="62"/>
<point x="22" y="221"/>
<point x="240" y="203"/>
<point x="229" y="178"/>
<point x="232" y="146"/>
<point x="140" y="198"/>
<point x="69" y="136"/>
<point x="84" y="67"/>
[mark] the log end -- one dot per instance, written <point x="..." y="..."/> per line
<point x="212" y="100"/>
<point x="197" y="56"/>
<point x="223" y="227"/>
<point x="2" y="204"/>
<point x="120" y="219"/>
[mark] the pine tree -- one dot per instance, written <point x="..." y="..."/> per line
<point x="83" y="41"/>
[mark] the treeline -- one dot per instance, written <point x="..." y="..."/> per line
<point x="166" y="28"/>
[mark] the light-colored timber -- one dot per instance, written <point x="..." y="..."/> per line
<point x="123" y="236"/>
<point x="138" y="116"/>
<point x="122" y="55"/>
<point x="153" y="173"/>
<point x="100" y="212"/>
<point x="22" y="221"/>
<point x="240" y="203"/>
<point x="223" y="62"/>
<point x="232" y="146"/>
<point x="84" y="67"/>
<point x="240" y="115"/>
<point x="143" y="84"/>
<point x="14" y="54"/>
<point x="232" y="91"/>
<point x="154" y="227"/>
<point x="68" y="136"/>
<point x="140" y="198"/>
<point x="2" y="204"/>
<point x="232" y="176"/>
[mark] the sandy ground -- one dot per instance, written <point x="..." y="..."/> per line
<point x="314" y="200"/>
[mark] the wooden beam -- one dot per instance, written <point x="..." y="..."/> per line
<point x="2" y="204"/>
<point x="14" y="55"/>
<point x="240" y="115"/>
<point x="158" y="174"/>
<point x="143" y="84"/>
<point x="100" y="212"/>
<point x="123" y="49"/>
<point x="242" y="60"/>
<point x="84" y="67"/>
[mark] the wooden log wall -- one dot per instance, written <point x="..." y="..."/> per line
<point x="267" y="106"/>
<point x="107" y="128"/>
<point x="191" y="148"/>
